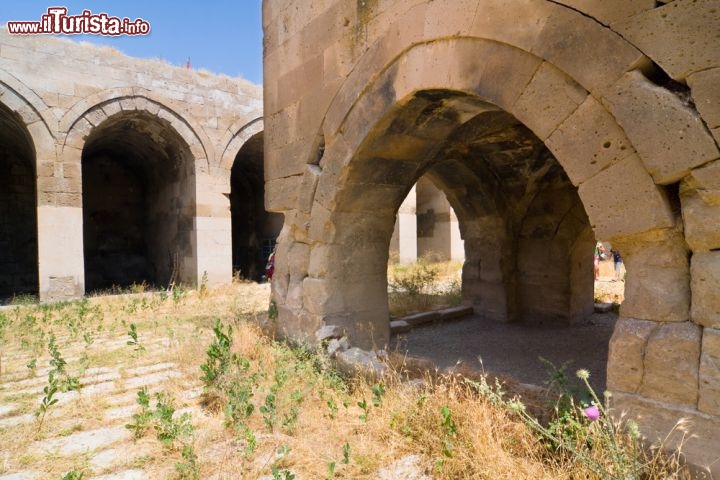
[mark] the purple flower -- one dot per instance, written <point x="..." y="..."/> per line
<point x="592" y="413"/>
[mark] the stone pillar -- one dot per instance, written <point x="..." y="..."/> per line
<point x="438" y="229"/>
<point x="457" y="244"/>
<point x="61" y="265"/>
<point x="213" y="231"/>
<point x="404" y="238"/>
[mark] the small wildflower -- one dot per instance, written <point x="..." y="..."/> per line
<point x="592" y="413"/>
<point x="582" y="374"/>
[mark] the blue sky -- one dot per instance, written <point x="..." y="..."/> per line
<point x="218" y="35"/>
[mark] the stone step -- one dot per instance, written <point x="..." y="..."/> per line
<point x="404" y="324"/>
<point x="81" y="442"/>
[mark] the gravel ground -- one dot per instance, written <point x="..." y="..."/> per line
<point x="514" y="349"/>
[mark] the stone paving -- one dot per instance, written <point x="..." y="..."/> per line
<point x="86" y="430"/>
<point x="105" y="447"/>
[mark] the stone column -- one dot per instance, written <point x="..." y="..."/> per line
<point x="404" y="239"/>
<point x="438" y="232"/>
<point x="457" y="244"/>
<point x="213" y="231"/>
<point x="61" y="268"/>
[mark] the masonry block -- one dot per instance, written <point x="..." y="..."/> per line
<point x="671" y="364"/>
<point x="705" y="273"/>
<point x="669" y="136"/>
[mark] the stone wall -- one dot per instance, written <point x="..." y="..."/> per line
<point x="364" y="97"/>
<point x="88" y="110"/>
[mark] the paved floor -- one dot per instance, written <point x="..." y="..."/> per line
<point x="514" y="350"/>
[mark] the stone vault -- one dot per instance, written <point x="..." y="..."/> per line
<point x="547" y="124"/>
<point x="115" y="170"/>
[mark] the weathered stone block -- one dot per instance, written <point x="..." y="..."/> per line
<point x="281" y="194"/>
<point x="598" y="56"/>
<point x="308" y="185"/>
<point x="328" y="332"/>
<point x="505" y="73"/>
<point x="705" y="274"/>
<point x="541" y="112"/>
<point x="701" y="217"/>
<point x="672" y="361"/>
<point x="623" y="199"/>
<point x="609" y="11"/>
<point x="319" y="297"/>
<point x="300" y="81"/>
<point x="399" y="326"/>
<point x="355" y="361"/>
<point x="705" y="95"/>
<point x="589" y="141"/>
<point x="421" y="318"/>
<point x="698" y="437"/>
<point x="658" y="279"/>
<point x="625" y="356"/>
<point x="679" y="36"/>
<point x="706" y="180"/>
<point x="670" y="137"/>
<point x="709" y="400"/>
<point x="657" y="293"/>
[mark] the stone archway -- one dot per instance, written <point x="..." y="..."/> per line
<point x="138" y="203"/>
<point x="18" y="204"/>
<point x="519" y="214"/>
<point x="253" y="229"/>
<point x="591" y="165"/>
<point x="591" y="84"/>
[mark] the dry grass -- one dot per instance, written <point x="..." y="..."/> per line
<point x="423" y="285"/>
<point x="328" y="426"/>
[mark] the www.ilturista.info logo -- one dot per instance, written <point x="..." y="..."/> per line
<point x="56" y="21"/>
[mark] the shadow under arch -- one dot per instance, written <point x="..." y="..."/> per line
<point x="511" y="197"/>
<point x="592" y="160"/>
<point x="254" y="230"/>
<point x="139" y="184"/>
<point x="18" y="207"/>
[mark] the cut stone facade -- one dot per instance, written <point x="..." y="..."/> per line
<point x="547" y="124"/>
<point x="116" y="170"/>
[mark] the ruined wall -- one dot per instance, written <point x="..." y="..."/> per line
<point x="623" y="94"/>
<point x="178" y="130"/>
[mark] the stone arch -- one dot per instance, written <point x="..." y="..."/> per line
<point x="525" y="91"/>
<point x="235" y="137"/>
<point x="524" y="86"/>
<point x="23" y="131"/>
<point x="91" y="111"/>
<point x="38" y="117"/>
<point x="139" y="227"/>
<point x="254" y="230"/>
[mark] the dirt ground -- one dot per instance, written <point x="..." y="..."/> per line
<point x="516" y="350"/>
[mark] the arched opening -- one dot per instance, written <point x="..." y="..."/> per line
<point x="528" y="241"/>
<point x="426" y="253"/>
<point x="18" y="206"/>
<point x="254" y="231"/>
<point x="610" y="274"/>
<point x="426" y="227"/>
<point x="138" y="203"/>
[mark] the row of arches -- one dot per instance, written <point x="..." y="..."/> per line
<point x="133" y="168"/>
